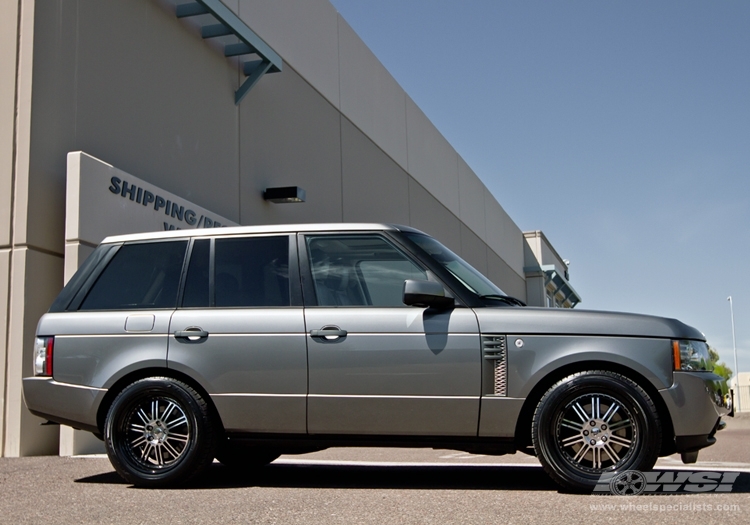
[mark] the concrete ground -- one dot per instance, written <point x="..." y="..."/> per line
<point x="363" y="486"/>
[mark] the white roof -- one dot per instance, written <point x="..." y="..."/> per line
<point x="271" y="228"/>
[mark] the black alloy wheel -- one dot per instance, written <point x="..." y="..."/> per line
<point x="159" y="432"/>
<point x="592" y="424"/>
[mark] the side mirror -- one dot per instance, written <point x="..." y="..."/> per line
<point x="426" y="293"/>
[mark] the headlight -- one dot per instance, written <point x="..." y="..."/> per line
<point x="691" y="355"/>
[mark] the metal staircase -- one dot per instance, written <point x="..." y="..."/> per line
<point x="255" y="56"/>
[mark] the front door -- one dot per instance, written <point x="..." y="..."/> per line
<point x="377" y="366"/>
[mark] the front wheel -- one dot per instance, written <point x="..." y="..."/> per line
<point x="159" y="432"/>
<point x="595" y="423"/>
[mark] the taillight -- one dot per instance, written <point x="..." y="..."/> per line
<point x="43" y="347"/>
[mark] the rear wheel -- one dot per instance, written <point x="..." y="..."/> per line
<point x="595" y="423"/>
<point x="159" y="432"/>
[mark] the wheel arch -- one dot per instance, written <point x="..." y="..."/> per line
<point x="524" y="421"/>
<point x="143" y="373"/>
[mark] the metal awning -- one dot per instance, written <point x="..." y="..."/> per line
<point x="555" y="282"/>
<point x="560" y="284"/>
<point x="217" y="20"/>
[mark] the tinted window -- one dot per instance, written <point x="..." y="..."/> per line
<point x="252" y="271"/>
<point x="461" y="270"/>
<point x="196" y="282"/>
<point x="364" y="270"/>
<point x="139" y="276"/>
<point x="73" y="287"/>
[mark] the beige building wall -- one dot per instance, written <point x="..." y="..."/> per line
<point x="8" y="78"/>
<point x="538" y="251"/>
<point x="23" y="297"/>
<point x="8" y="58"/>
<point x="129" y="83"/>
<point x="36" y="280"/>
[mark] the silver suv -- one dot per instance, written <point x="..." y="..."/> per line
<point x="247" y="343"/>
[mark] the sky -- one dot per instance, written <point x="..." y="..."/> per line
<point x="619" y="129"/>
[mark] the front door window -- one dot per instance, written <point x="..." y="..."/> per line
<point x="359" y="271"/>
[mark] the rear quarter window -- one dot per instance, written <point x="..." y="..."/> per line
<point x="139" y="276"/>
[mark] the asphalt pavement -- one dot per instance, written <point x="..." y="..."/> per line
<point x="368" y="486"/>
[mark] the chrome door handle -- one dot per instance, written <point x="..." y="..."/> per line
<point x="193" y="333"/>
<point x="329" y="333"/>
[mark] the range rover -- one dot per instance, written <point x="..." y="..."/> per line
<point x="245" y="343"/>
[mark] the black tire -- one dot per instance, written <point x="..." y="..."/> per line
<point x="159" y="432"/>
<point x="594" y="423"/>
<point x="242" y="457"/>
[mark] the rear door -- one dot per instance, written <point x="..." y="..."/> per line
<point x="377" y="366"/>
<point x="240" y="331"/>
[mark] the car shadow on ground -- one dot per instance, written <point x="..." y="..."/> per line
<point x="323" y="476"/>
<point x="302" y="475"/>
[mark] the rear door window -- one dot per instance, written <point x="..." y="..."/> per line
<point x="251" y="271"/>
<point x="247" y="272"/>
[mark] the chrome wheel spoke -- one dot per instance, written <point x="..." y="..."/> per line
<point x="581" y="453"/>
<point x="589" y="440"/>
<point x="611" y="412"/>
<point x="150" y="437"/>
<point x="170" y="407"/>
<point x="177" y="422"/>
<point x="620" y="425"/>
<point x="172" y="451"/>
<point x="611" y="453"/>
<point x="146" y="452"/>
<point x="580" y="412"/>
<point x="573" y="425"/>
<point x="619" y="440"/>
<point x="606" y="416"/>
<point x="143" y="416"/>
<point x="183" y="438"/>
<point x="597" y="457"/>
<point x="572" y="440"/>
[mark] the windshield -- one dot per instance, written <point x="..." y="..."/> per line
<point x="461" y="270"/>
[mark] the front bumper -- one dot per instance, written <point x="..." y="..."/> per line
<point x="696" y="402"/>
<point x="72" y="405"/>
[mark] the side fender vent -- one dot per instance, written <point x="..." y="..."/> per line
<point x="494" y="351"/>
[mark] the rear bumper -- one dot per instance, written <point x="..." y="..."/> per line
<point x="696" y="402"/>
<point x="72" y="405"/>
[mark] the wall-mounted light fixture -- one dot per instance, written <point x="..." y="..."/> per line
<point x="285" y="194"/>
